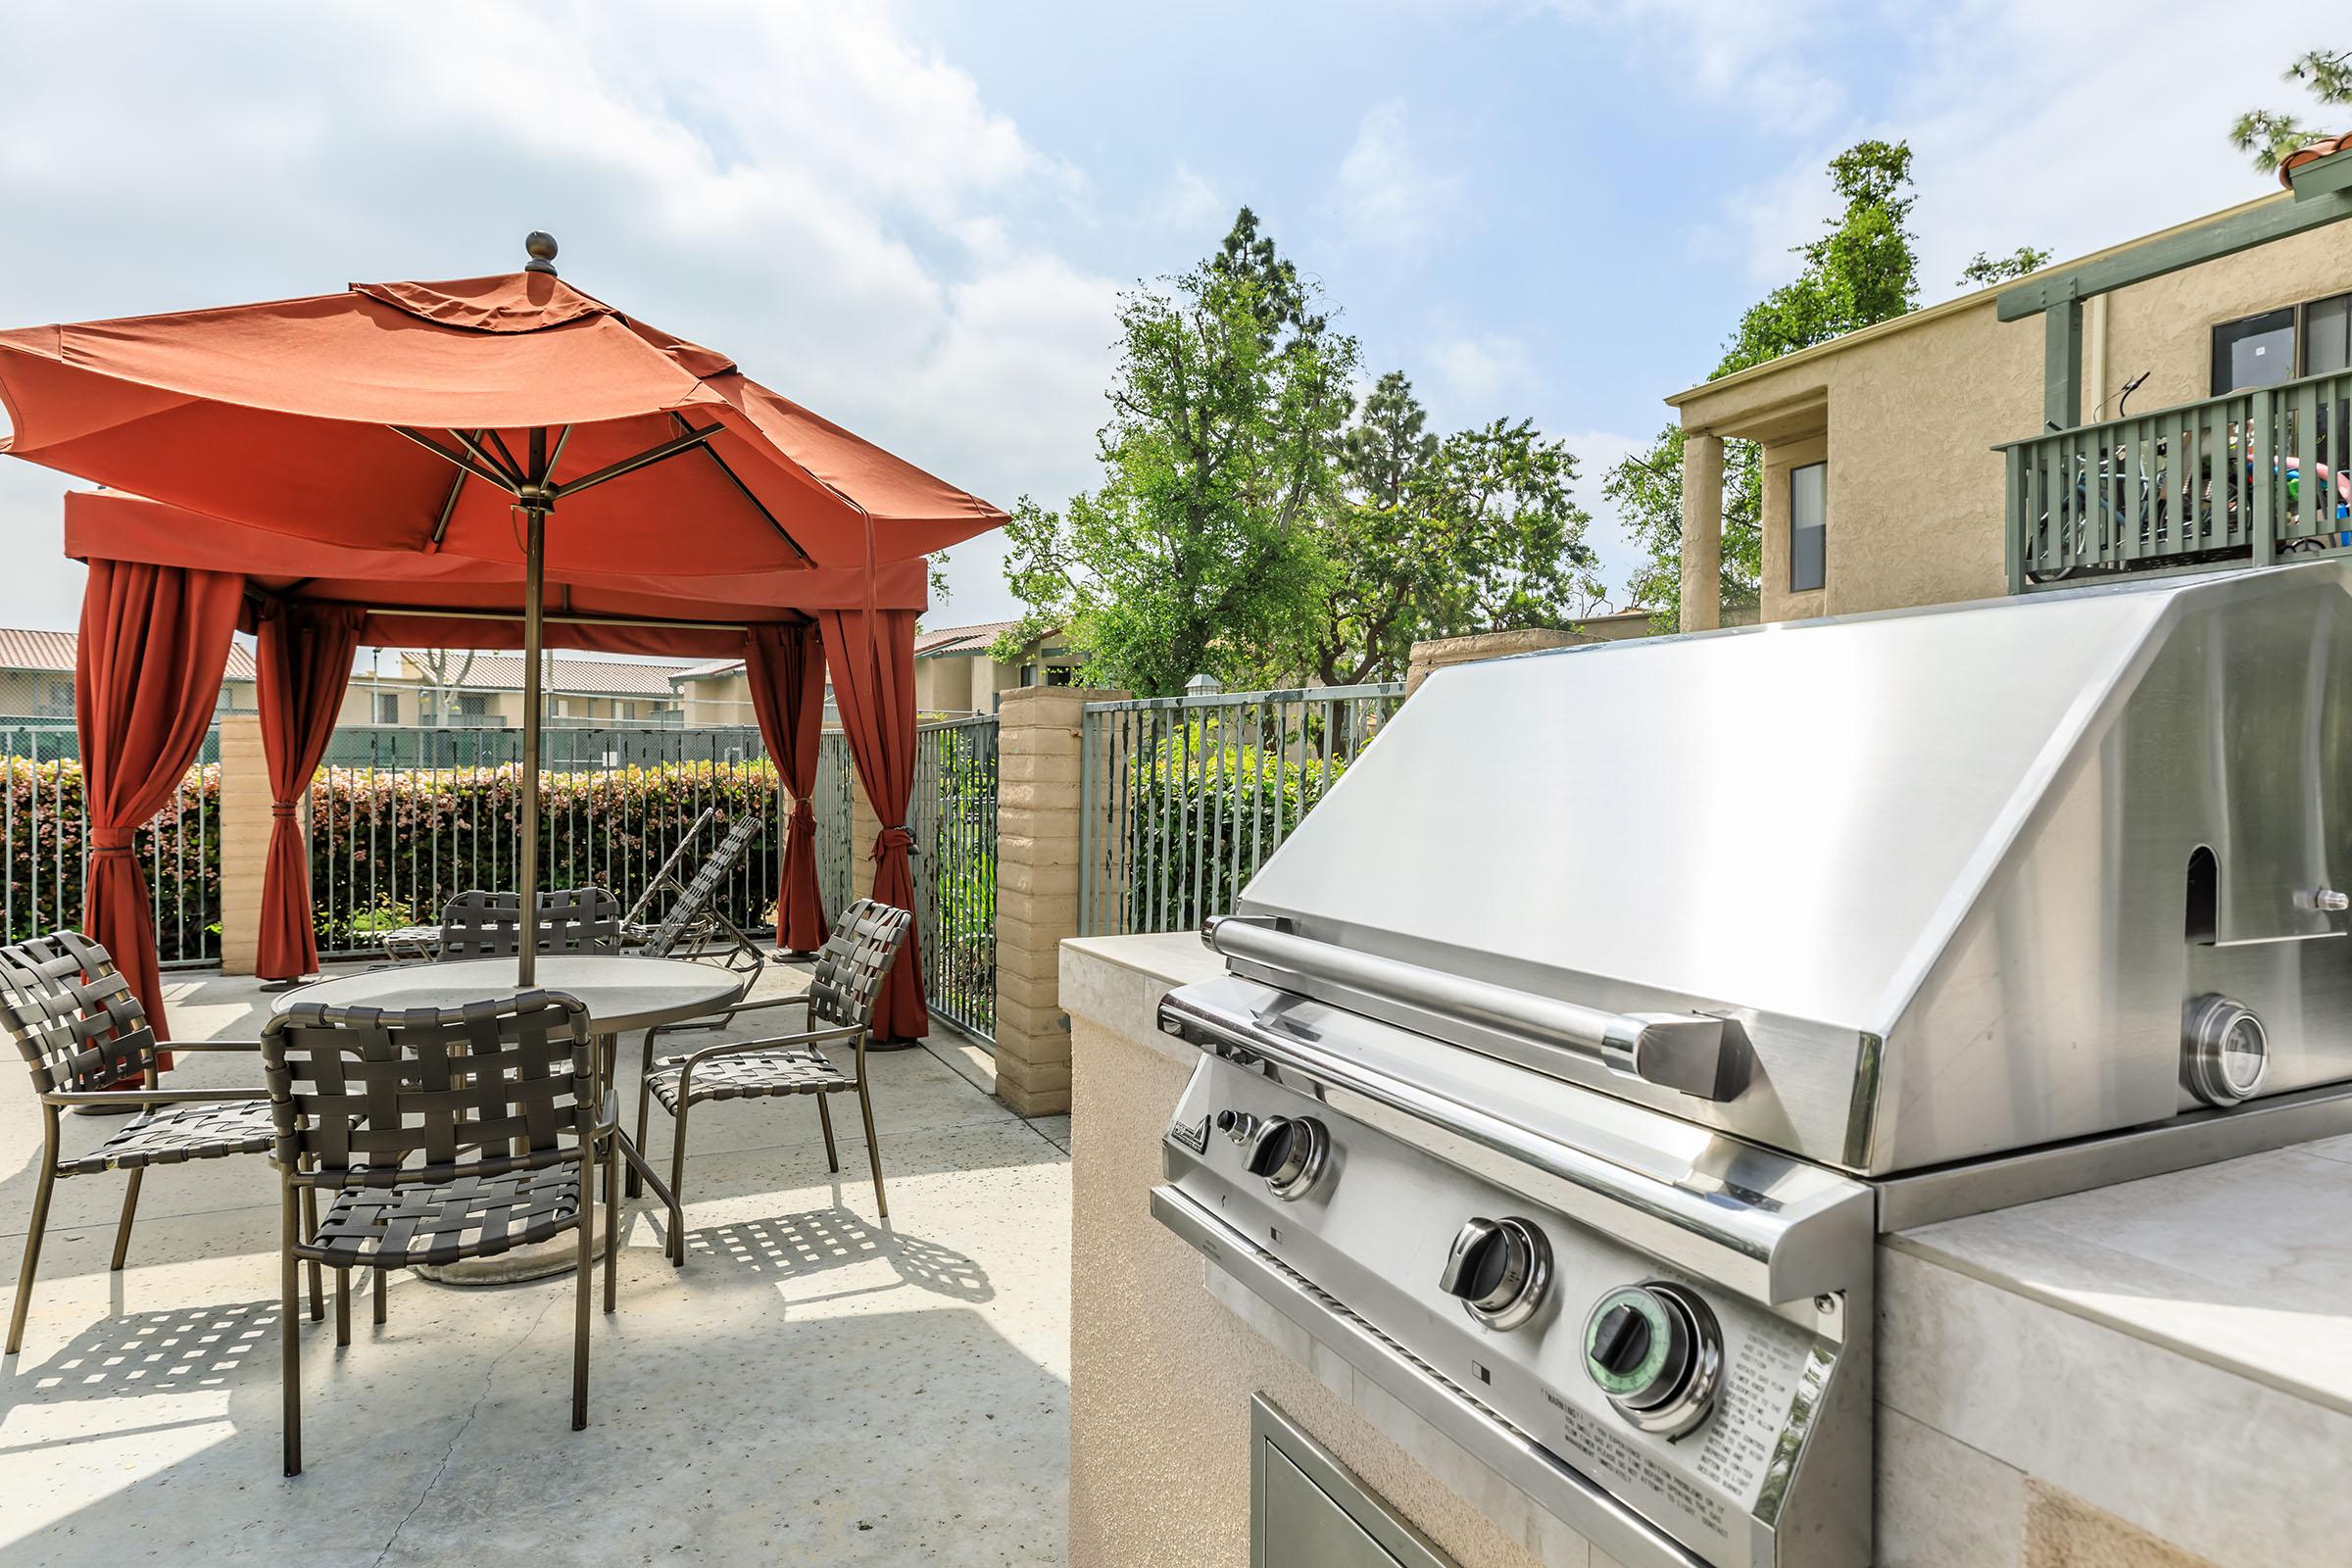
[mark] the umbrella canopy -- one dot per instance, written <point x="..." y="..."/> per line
<point x="392" y="417"/>
<point x="530" y="441"/>
<point x="422" y="598"/>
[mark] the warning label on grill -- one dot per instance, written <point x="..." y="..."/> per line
<point x="1751" y="1407"/>
<point x="1698" y="1487"/>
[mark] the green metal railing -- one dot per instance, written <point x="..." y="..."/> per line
<point x="1182" y="799"/>
<point x="952" y="815"/>
<point x="2247" y="478"/>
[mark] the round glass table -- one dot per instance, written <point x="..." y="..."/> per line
<point x="620" y="993"/>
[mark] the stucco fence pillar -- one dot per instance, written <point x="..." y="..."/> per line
<point x="244" y="839"/>
<point x="1039" y="795"/>
<point x="1429" y="657"/>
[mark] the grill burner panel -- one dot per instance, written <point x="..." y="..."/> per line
<point x="1706" y="1469"/>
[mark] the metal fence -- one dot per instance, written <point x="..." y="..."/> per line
<point x="1182" y="798"/>
<point x="46" y="824"/>
<point x="952" y="816"/>
<point x="402" y="819"/>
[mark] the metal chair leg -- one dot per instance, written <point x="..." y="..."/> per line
<point x="289" y="1308"/>
<point x="677" y="1186"/>
<point x="584" y="1266"/>
<point x="380" y="1295"/>
<point x="33" y="1235"/>
<point x="310" y="1227"/>
<point x="130" y="1207"/>
<point x="873" y="1150"/>
<point x="645" y="1072"/>
<point x="824" y="1119"/>
<point x="342" y="1309"/>
<point x="611" y="1222"/>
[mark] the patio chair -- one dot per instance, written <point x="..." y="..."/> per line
<point x="696" y="913"/>
<point x="489" y="926"/>
<point x="443" y="1135"/>
<point x="79" y="1030"/>
<point x="840" y="1005"/>
<point x="667" y="877"/>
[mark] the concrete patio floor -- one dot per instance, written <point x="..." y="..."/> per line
<point x="816" y="1387"/>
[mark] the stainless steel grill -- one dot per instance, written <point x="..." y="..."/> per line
<point x="1570" y="1117"/>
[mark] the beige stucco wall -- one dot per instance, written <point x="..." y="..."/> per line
<point x="1909" y="414"/>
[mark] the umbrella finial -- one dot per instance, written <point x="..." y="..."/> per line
<point x="541" y="247"/>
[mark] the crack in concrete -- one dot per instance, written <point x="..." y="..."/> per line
<point x="489" y="1377"/>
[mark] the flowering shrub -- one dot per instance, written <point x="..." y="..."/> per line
<point x="178" y="854"/>
<point x="391" y="848"/>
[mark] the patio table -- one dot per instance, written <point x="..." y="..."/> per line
<point x="620" y="993"/>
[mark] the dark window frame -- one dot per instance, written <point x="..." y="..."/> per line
<point x="2299" y="335"/>
<point x="1821" y="556"/>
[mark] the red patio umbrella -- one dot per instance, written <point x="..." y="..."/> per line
<point x="486" y="419"/>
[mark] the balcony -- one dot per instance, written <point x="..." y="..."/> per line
<point x="2249" y="479"/>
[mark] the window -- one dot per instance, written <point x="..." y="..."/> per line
<point x="387" y="708"/>
<point x="2295" y="341"/>
<point x="1808" y="526"/>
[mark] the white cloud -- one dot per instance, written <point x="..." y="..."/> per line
<point x="1478" y="377"/>
<point x="1188" y="203"/>
<point x="2072" y="128"/>
<point x="1763" y="58"/>
<point x="1386" y="197"/>
<point x="807" y="186"/>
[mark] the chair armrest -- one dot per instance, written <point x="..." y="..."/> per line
<point x="743" y="1047"/>
<point x="209" y="1044"/>
<point x="150" y="1097"/>
<point x="727" y="1011"/>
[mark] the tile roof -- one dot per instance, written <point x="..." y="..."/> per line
<point x="948" y="640"/>
<point x="504" y="673"/>
<point x="21" y="648"/>
<point x="959" y="639"/>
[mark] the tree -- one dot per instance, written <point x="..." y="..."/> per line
<point x="1865" y="268"/>
<point x="1983" y="271"/>
<point x="1196" y="553"/>
<point x="2270" y="135"/>
<point x="445" y="669"/>
<point x="1437" y="538"/>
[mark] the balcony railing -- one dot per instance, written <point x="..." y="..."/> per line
<point x="2245" y="480"/>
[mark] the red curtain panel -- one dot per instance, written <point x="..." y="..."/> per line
<point x="871" y="657"/>
<point x="305" y="659"/>
<point x="154" y="642"/>
<point x="786" y="667"/>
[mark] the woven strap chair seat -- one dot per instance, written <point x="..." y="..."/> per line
<point x="171" y="1134"/>
<point x="441" y="1222"/>
<point x="768" y="1072"/>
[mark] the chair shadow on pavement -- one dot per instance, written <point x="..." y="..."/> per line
<point x="794" y="1247"/>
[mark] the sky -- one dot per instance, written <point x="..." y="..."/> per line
<point x="918" y="218"/>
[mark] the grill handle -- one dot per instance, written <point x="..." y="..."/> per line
<point x="1685" y="1052"/>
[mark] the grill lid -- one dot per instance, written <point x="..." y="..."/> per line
<point x="1803" y="830"/>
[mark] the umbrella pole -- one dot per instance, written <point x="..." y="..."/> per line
<point x="534" y="574"/>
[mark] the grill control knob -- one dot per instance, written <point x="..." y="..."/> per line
<point x="1290" y="1152"/>
<point x="1656" y="1352"/>
<point x="1501" y="1269"/>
